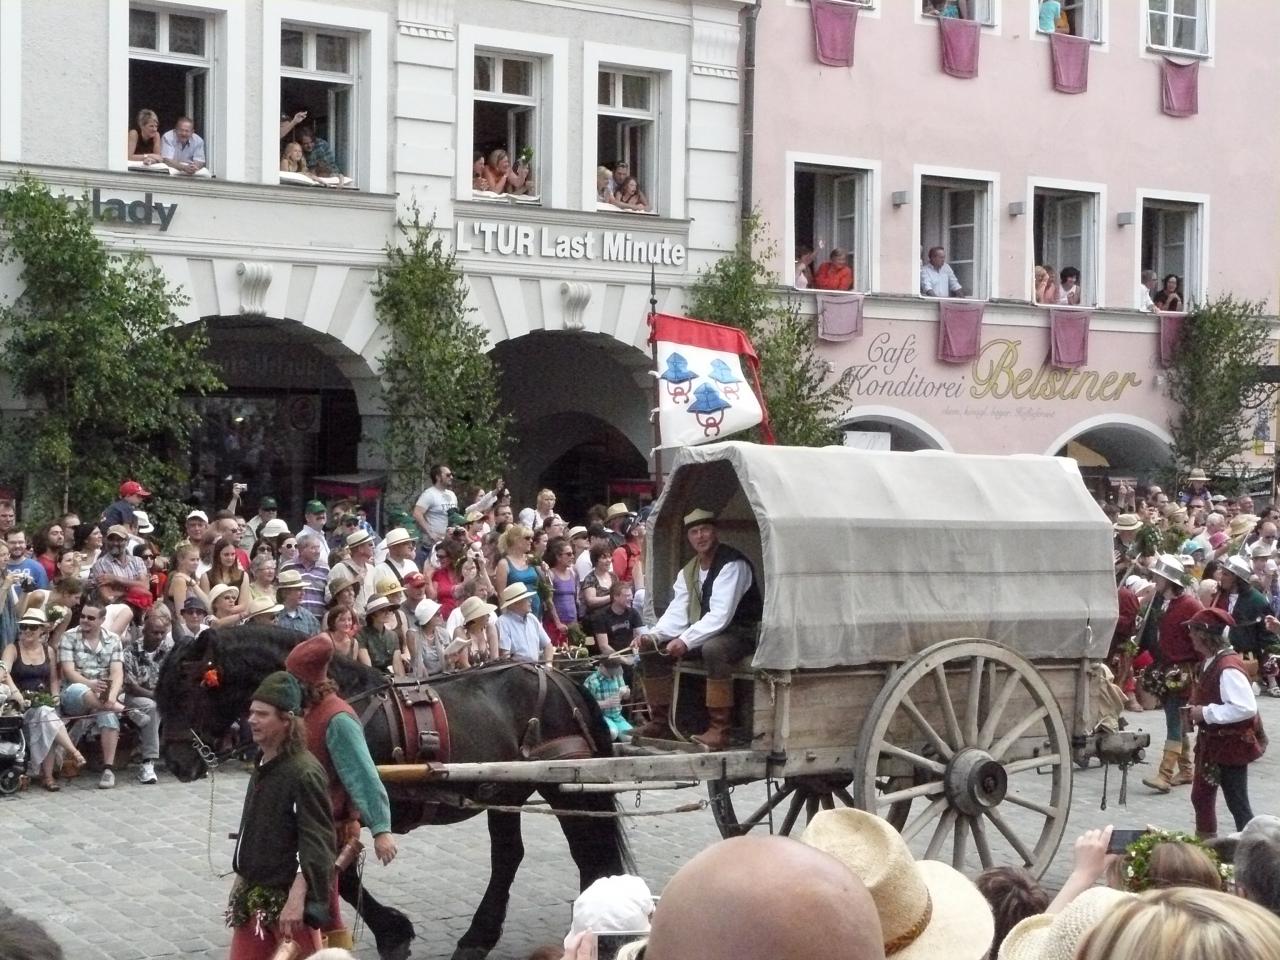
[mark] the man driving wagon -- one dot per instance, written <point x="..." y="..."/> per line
<point x="714" y="615"/>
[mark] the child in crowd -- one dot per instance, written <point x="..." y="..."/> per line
<point x="609" y="687"/>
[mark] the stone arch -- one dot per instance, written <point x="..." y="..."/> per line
<point x="1128" y="443"/>
<point x="907" y="430"/>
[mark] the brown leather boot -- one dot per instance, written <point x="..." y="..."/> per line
<point x="1186" y="765"/>
<point x="1160" y="781"/>
<point x="657" y="691"/>
<point x="720" y="714"/>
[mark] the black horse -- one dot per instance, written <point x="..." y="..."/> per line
<point x="206" y="685"/>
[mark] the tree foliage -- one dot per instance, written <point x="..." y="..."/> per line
<point x="93" y="346"/>
<point x="1214" y="383"/>
<point x="805" y="401"/>
<point x="439" y="384"/>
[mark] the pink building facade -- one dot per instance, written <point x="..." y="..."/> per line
<point x="891" y="156"/>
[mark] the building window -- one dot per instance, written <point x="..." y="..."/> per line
<point x="1171" y="244"/>
<point x="833" y="213"/>
<point x="1064" y="236"/>
<point x="981" y="10"/>
<point x="1080" y="18"/>
<point x="954" y="215"/>
<point x="627" y="133"/>
<point x="170" y="67"/>
<point x="318" y="101"/>
<point x="506" y="125"/>
<point x="1178" y="25"/>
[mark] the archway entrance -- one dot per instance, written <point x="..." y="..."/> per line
<point x="890" y="429"/>
<point x="580" y="404"/>
<point x="288" y="414"/>
<point x="1110" y="450"/>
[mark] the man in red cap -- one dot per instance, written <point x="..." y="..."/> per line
<point x="132" y="494"/>
<point x="356" y="794"/>
<point x="1230" y="736"/>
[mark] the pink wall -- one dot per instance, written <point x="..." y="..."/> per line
<point x="895" y="106"/>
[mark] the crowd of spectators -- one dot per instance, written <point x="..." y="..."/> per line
<point x="90" y="610"/>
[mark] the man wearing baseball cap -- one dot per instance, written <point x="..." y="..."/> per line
<point x="315" y="514"/>
<point x="132" y="494"/>
<point x="268" y="509"/>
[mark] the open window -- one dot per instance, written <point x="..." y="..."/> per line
<point x="627" y="133"/>
<point x="506" y="124"/>
<point x="1083" y="18"/>
<point x="170" y="66"/>
<point x="318" y="73"/>
<point x="955" y="215"/>
<point x="833" y="212"/>
<point x="1178" y="25"/>
<point x="1064" y="235"/>
<point x="1171" y="244"/>
<point x="981" y="10"/>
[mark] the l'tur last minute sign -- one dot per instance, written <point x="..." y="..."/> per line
<point x="528" y="242"/>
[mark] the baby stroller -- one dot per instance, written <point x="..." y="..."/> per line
<point x="13" y="753"/>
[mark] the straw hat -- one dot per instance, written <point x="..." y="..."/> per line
<point x="696" y="518"/>
<point x="219" y="590"/>
<point x="473" y="608"/>
<point x="615" y="511"/>
<point x="1197" y="476"/>
<point x="927" y="908"/>
<point x="145" y="525"/>
<point x="1127" y="521"/>
<point x="273" y="528"/>
<point x="377" y="605"/>
<point x="35" y="617"/>
<point x="576" y="532"/>
<point x="397" y="536"/>
<point x="1239" y="567"/>
<point x="1262" y="550"/>
<point x="259" y="606"/>
<point x="358" y="538"/>
<point x="425" y="610"/>
<point x="339" y="580"/>
<point x="289" y="580"/>
<point x="388" y="587"/>
<point x="1055" y="936"/>
<point x="1241" y="524"/>
<point x="1169" y="568"/>
<point x="514" y="593"/>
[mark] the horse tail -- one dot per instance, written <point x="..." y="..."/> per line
<point x="608" y="833"/>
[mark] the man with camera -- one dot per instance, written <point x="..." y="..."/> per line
<point x="31" y="575"/>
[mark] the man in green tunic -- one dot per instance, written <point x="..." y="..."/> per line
<point x="285" y="852"/>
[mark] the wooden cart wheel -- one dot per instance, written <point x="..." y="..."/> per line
<point x="788" y="800"/>
<point x="970" y="728"/>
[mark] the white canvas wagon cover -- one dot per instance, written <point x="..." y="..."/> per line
<point x="873" y="556"/>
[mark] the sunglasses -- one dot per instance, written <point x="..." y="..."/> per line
<point x="148" y="556"/>
<point x="31" y="627"/>
<point x="289" y="546"/>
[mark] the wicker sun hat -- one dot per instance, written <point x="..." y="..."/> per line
<point x="1056" y="936"/>
<point x="1126" y="522"/>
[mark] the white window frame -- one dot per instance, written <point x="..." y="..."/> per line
<point x="1199" y="243"/>
<point x="531" y="101"/>
<point x="671" y="79"/>
<point x="1205" y="33"/>
<point x="993" y="24"/>
<point x="651" y="184"/>
<point x="11" y="79"/>
<point x="226" y="89"/>
<point x="369" y="104"/>
<point x="350" y="78"/>
<point x="553" y="110"/>
<point x="1102" y="15"/>
<point x="871" y="170"/>
<point x="991" y="229"/>
<point x="1097" y="270"/>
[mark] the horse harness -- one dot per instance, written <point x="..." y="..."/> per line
<point x="419" y="724"/>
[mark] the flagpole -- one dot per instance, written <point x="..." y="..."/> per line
<point x="657" y="394"/>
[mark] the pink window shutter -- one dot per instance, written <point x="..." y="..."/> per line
<point x="959" y="41"/>
<point x="1069" y="60"/>
<point x="1180" y="88"/>
<point x="839" y="316"/>
<point x="1069" y="338"/>
<point x="834" y="25"/>
<point x="959" y="330"/>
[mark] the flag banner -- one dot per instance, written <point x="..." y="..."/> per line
<point x="703" y="394"/>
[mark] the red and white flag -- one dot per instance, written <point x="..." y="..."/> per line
<point x="702" y="392"/>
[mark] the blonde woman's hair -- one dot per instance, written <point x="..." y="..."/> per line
<point x="512" y="535"/>
<point x="1184" y="923"/>
<point x="144" y="116"/>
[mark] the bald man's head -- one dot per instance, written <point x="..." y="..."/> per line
<point x="764" y="898"/>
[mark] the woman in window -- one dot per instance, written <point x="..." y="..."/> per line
<point x="501" y="177"/>
<point x="1167" y="297"/>
<point x="478" y="180"/>
<point x="293" y="161"/>
<point x="1046" y="288"/>
<point x="603" y="193"/>
<point x="1069" y="289"/>
<point x="948" y="8"/>
<point x="144" y="138"/>
<point x="804" y="267"/>
<point x="630" y="197"/>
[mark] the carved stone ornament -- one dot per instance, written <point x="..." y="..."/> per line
<point x="255" y="278"/>
<point x="576" y="297"/>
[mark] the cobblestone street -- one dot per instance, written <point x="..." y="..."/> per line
<point x="124" y="875"/>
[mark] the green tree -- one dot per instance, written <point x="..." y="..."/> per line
<point x="1214" y="383"/>
<point x="93" y="345"/>
<point x="804" y="399"/>
<point x="439" y="384"/>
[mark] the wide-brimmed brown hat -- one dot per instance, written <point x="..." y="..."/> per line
<point x="928" y="910"/>
<point x="617" y="510"/>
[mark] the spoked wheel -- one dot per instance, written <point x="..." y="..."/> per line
<point x="971" y="729"/>
<point x="793" y="802"/>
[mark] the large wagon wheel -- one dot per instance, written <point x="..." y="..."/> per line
<point x="787" y="800"/>
<point x="970" y="728"/>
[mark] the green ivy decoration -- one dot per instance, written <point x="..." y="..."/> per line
<point x="1137" y="858"/>
<point x="255" y="904"/>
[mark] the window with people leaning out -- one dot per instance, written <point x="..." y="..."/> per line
<point x="954" y="251"/>
<point x="1079" y="18"/>
<point x="317" y="99"/>
<point x="980" y="10"/>
<point x="626" y="141"/>
<point x="170" y="66"/>
<point x="1064" y="228"/>
<point x="505" y="92"/>
<point x="831" y="218"/>
<point x="1170" y="255"/>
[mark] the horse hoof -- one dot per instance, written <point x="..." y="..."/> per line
<point x="469" y="953"/>
<point x="396" y="951"/>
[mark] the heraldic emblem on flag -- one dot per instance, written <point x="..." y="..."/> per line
<point x="702" y="393"/>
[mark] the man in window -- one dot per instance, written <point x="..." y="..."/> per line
<point x="1145" y="289"/>
<point x="618" y="181"/>
<point x="320" y="157"/>
<point x="937" y="279"/>
<point x="835" y="274"/>
<point x="182" y="149"/>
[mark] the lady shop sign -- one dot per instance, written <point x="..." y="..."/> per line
<point x="898" y="368"/>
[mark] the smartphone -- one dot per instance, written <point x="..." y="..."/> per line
<point x="1120" y="839"/>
